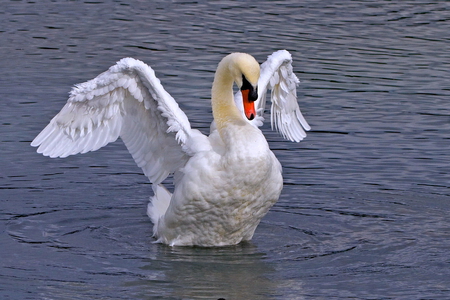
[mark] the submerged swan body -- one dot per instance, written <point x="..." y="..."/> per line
<point x="225" y="182"/>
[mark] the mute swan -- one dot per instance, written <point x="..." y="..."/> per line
<point x="225" y="182"/>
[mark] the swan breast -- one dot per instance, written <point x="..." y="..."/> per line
<point x="223" y="200"/>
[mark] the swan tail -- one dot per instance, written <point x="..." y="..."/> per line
<point x="158" y="205"/>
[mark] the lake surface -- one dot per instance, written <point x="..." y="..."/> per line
<point x="365" y="209"/>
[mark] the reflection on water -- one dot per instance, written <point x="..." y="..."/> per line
<point x="364" y="212"/>
<point x="238" y="272"/>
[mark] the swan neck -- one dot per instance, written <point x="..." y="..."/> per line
<point x="224" y="109"/>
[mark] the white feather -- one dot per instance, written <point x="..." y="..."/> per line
<point x="100" y="110"/>
<point x="278" y="77"/>
<point x="211" y="204"/>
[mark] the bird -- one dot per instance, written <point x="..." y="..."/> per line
<point x="224" y="182"/>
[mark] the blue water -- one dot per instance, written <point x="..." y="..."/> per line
<point x="364" y="212"/>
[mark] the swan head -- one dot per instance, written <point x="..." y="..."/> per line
<point x="245" y="71"/>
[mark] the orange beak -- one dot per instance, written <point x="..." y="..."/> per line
<point x="249" y="105"/>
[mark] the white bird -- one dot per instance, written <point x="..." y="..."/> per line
<point x="225" y="182"/>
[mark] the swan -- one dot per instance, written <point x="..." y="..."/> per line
<point x="225" y="182"/>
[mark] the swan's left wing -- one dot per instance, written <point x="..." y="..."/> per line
<point x="278" y="77"/>
<point x="127" y="101"/>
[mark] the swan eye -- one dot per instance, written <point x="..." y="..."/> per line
<point x="253" y="92"/>
<point x="245" y="84"/>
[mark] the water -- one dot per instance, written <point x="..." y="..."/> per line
<point x="364" y="212"/>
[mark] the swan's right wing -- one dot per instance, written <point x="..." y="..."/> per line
<point x="127" y="101"/>
<point x="277" y="75"/>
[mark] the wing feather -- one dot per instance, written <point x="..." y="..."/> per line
<point x="277" y="75"/>
<point x="127" y="101"/>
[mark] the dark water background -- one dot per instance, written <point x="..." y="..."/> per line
<point x="365" y="209"/>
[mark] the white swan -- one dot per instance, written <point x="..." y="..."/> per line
<point x="225" y="182"/>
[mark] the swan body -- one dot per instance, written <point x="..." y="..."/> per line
<point x="225" y="182"/>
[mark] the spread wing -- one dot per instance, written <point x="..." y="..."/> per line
<point x="278" y="77"/>
<point x="127" y="101"/>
